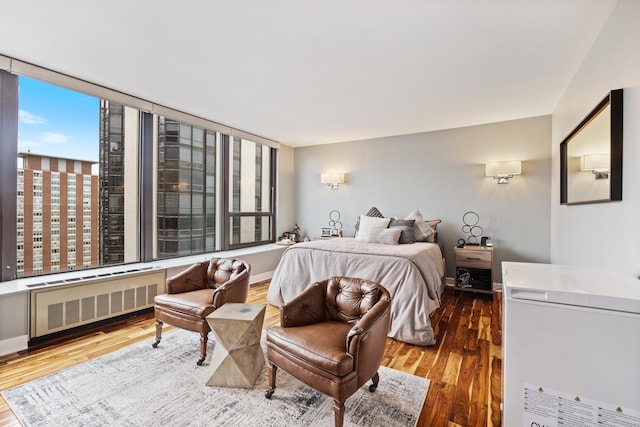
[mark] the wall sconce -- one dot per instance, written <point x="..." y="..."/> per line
<point x="599" y="164"/>
<point x="332" y="179"/>
<point x="502" y="171"/>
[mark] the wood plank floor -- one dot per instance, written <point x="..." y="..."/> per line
<point x="464" y="366"/>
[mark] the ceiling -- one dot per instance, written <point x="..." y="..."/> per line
<point x="305" y="72"/>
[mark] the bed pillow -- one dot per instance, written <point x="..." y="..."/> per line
<point x="406" y="229"/>
<point x="433" y="223"/>
<point x="421" y="230"/>
<point x="386" y="236"/>
<point x="373" y="212"/>
<point x="368" y="224"/>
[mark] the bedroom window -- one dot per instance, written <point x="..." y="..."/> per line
<point x="96" y="177"/>
<point x="187" y="177"/>
<point x="250" y="214"/>
<point x="71" y="154"/>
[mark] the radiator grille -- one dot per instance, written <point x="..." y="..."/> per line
<point x="64" y="306"/>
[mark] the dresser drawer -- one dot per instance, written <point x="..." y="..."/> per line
<point x="473" y="258"/>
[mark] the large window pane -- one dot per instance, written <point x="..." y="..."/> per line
<point x="186" y="190"/>
<point x="250" y="167"/>
<point x="251" y="176"/>
<point x="75" y="152"/>
<point x="250" y="229"/>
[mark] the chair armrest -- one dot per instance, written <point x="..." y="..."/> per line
<point x="375" y="321"/>
<point x="305" y="309"/>
<point x="233" y="290"/>
<point x="188" y="280"/>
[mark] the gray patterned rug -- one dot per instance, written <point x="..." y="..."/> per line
<point x="142" y="386"/>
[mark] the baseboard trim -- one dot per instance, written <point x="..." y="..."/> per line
<point x="14" y="344"/>
<point x="261" y="277"/>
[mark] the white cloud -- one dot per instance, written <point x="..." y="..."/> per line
<point x="27" y="144"/>
<point x="54" y="138"/>
<point x="30" y="119"/>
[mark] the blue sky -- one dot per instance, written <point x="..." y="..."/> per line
<point x="57" y="121"/>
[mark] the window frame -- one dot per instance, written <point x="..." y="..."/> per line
<point x="228" y="214"/>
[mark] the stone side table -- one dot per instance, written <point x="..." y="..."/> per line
<point x="237" y="357"/>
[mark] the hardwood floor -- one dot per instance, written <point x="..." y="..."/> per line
<point x="464" y="366"/>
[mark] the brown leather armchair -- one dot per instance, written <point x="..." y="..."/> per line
<point x="332" y="338"/>
<point x="196" y="292"/>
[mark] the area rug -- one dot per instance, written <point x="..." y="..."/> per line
<point x="142" y="386"/>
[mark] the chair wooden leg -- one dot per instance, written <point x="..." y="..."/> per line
<point x="272" y="382"/>
<point x="204" y="338"/>
<point x="158" y="333"/>
<point x="375" y="379"/>
<point x="338" y="410"/>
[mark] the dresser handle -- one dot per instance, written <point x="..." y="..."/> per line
<point x="474" y="259"/>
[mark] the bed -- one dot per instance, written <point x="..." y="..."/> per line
<point x="413" y="274"/>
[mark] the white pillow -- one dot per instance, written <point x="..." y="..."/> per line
<point x="421" y="229"/>
<point x="369" y="223"/>
<point x="386" y="236"/>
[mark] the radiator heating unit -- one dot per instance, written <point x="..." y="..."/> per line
<point x="67" y="304"/>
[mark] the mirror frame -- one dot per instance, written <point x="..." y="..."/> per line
<point x="614" y="99"/>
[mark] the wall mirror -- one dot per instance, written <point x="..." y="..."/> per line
<point x="591" y="156"/>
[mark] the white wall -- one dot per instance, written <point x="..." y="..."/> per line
<point x="605" y="235"/>
<point x="442" y="174"/>
<point x="285" y="190"/>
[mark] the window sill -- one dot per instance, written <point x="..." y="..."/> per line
<point x="38" y="282"/>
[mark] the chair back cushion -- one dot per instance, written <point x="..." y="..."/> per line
<point x="221" y="270"/>
<point x="348" y="299"/>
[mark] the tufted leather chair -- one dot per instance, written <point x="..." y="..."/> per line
<point x="332" y="338"/>
<point x="196" y="292"/>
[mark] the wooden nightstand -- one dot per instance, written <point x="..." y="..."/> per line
<point x="473" y="269"/>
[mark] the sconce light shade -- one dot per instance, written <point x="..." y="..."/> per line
<point x="332" y="179"/>
<point x="599" y="164"/>
<point x="595" y="162"/>
<point x="502" y="171"/>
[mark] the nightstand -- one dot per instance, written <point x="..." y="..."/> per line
<point x="473" y="269"/>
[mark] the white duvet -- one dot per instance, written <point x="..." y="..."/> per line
<point x="412" y="273"/>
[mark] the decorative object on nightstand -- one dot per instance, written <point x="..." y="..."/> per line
<point x="290" y="237"/>
<point x="285" y="242"/>
<point x="334" y="223"/>
<point x="471" y="227"/>
<point x="473" y="266"/>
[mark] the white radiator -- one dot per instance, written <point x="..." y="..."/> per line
<point x="71" y="303"/>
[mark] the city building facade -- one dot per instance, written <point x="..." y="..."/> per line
<point x="58" y="214"/>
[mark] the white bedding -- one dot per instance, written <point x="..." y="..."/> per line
<point x="412" y="273"/>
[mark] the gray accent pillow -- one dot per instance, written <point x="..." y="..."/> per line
<point x="386" y="236"/>
<point x="406" y="229"/>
